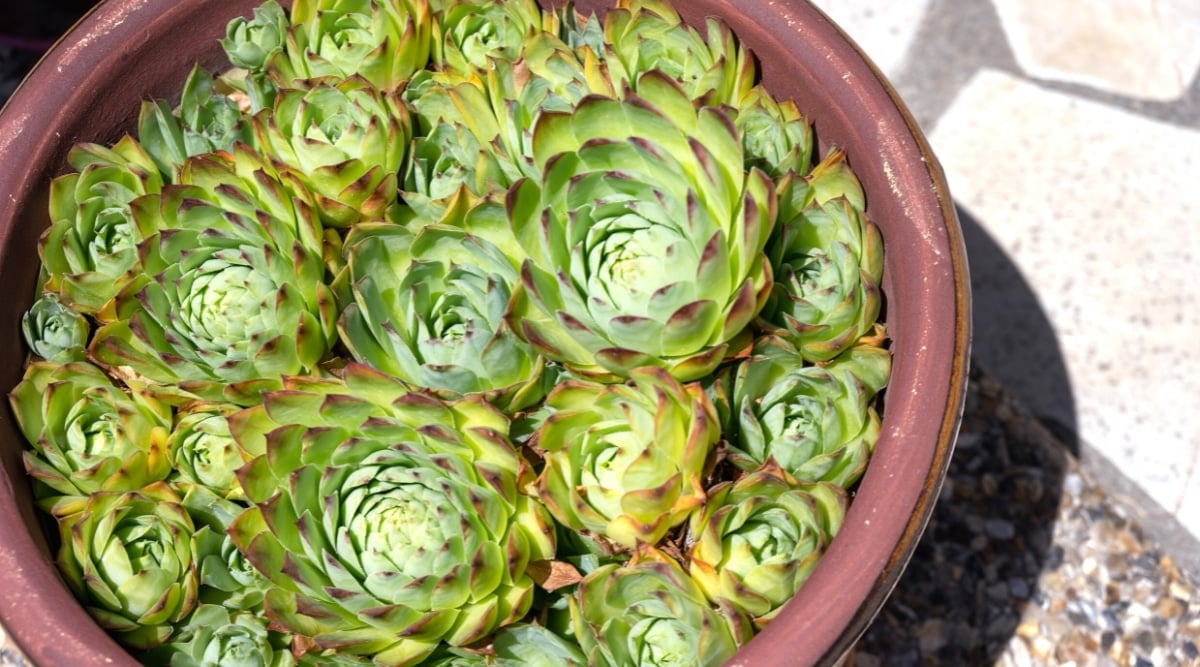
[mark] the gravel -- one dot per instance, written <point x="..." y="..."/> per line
<point x="1028" y="560"/>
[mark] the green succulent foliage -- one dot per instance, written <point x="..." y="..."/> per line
<point x="451" y="107"/>
<point x="204" y="451"/>
<point x="625" y="461"/>
<point x="90" y="247"/>
<point x="87" y="435"/>
<point x="550" y="77"/>
<point x="468" y="35"/>
<point x="646" y="245"/>
<point x="532" y="645"/>
<point x="447" y="165"/>
<point x="476" y="129"/>
<point x="383" y="41"/>
<point x="232" y="291"/>
<point x="216" y="637"/>
<point x="55" y="332"/>
<point x="827" y="257"/>
<point x="759" y="538"/>
<point x="776" y="137"/>
<point x="647" y="35"/>
<point x="457" y="658"/>
<point x="517" y="645"/>
<point x="387" y="521"/>
<point x="128" y="559"/>
<point x="428" y="307"/>
<point x="339" y="147"/>
<point x="251" y="42"/>
<point x="650" y="613"/>
<point x="205" y="121"/>
<point x="227" y="578"/>
<point x="817" y="422"/>
<point x="332" y="658"/>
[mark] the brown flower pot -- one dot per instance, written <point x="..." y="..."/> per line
<point x="88" y="88"/>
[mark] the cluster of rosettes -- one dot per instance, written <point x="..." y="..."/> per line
<point x="453" y="332"/>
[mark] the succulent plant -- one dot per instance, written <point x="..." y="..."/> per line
<point x="383" y="41"/>
<point x="339" y="147"/>
<point x="532" y="645"/>
<point x="204" y="451"/>
<point x="776" y="136"/>
<point x="759" y="538"/>
<point x="227" y="578"/>
<point x="453" y="332"/>
<point x="624" y="461"/>
<point x="827" y="258"/>
<point x="87" y="435"/>
<point x="650" y="613"/>
<point x="128" y="558"/>
<point x="468" y="35"/>
<point x="232" y="289"/>
<point x="205" y="121"/>
<point x="249" y="43"/>
<point x="456" y="153"/>
<point x="387" y="521"/>
<point x="645" y="245"/>
<point x="214" y="637"/>
<point x="817" y="422"/>
<point x="54" y="331"/>
<point x="429" y="308"/>
<point x="645" y="35"/>
<point x="91" y="245"/>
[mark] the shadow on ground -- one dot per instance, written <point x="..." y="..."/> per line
<point x="978" y="564"/>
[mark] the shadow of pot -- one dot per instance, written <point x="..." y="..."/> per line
<point x="87" y="88"/>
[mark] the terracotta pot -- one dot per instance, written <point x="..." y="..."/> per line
<point x="88" y="87"/>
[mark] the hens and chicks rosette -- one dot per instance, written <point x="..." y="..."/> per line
<point x="453" y="332"/>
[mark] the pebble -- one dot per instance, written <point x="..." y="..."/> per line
<point x="1029" y="562"/>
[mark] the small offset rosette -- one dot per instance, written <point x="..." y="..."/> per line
<point x="759" y="538"/>
<point x="624" y="461"/>
<point x="650" y="612"/>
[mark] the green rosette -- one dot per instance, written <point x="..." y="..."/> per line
<point x="645" y="244"/>
<point x="88" y="435"/>
<point x="389" y="523"/>
<point x="128" y="558"/>
<point x="650" y="613"/>
<point x="232" y="290"/>
<point x="759" y="538"/>
<point x="624" y="461"/>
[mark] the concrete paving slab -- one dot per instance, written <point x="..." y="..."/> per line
<point x="1142" y="48"/>
<point x="883" y="30"/>
<point x="1087" y="202"/>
